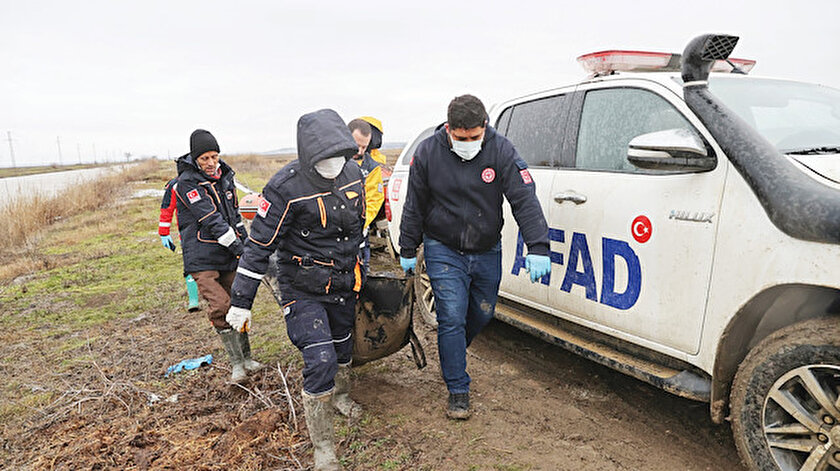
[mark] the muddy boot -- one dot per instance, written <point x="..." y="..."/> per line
<point x="341" y="396"/>
<point x="459" y="406"/>
<point x="319" y="421"/>
<point x="250" y="365"/>
<point x="230" y="339"/>
<point x="192" y="292"/>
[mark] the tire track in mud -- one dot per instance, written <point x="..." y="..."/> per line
<point x="537" y="406"/>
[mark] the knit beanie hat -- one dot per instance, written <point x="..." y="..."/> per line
<point x="202" y="141"/>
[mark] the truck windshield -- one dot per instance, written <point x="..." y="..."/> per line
<point x="795" y="117"/>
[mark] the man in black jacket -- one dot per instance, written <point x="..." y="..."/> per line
<point x="212" y="235"/>
<point x="457" y="180"/>
<point x="312" y="216"/>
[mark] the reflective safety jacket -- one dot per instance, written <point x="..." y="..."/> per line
<point x="459" y="202"/>
<point x="167" y="207"/>
<point x="374" y="188"/>
<point x="208" y="217"/>
<point x="314" y="225"/>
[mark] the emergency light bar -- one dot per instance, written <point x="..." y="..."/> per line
<point x="608" y="62"/>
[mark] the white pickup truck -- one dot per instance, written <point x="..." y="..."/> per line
<point x="695" y="238"/>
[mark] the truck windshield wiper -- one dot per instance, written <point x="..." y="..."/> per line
<point x="815" y="150"/>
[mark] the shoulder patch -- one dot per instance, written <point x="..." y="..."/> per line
<point x="263" y="209"/>
<point x="526" y="176"/>
<point x="193" y="196"/>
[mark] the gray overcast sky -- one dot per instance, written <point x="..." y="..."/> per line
<point x="139" y="77"/>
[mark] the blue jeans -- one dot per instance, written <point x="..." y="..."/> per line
<point x="465" y="288"/>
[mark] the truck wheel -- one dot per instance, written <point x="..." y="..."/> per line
<point x="423" y="290"/>
<point x="785" y="399"/>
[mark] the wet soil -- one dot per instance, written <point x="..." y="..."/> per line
<point x="536" y="407"/>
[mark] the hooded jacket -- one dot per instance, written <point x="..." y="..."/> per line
<point x="208" y="217"/>
<point x="375" y="139"/>
<point x="459" y="202"/>
<point x="313" y="224"/>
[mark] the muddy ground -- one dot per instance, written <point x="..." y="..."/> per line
<point x="539" y="407"/>
<point x="536" y="407"/>
<point x="94" y="395"/>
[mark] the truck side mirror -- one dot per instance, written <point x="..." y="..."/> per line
<point x="672" y="149"/>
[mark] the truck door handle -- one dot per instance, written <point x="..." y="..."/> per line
<point x="569" y="195"/>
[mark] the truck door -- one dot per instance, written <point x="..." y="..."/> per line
<point x="637" y="245"/>
<point x="536" y="128"/>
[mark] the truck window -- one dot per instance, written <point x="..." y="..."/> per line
<point x="536" y="130"/>
<point x="406" y="157"/>
<point x="612" y="117"/>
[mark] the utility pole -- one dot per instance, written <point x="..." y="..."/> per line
<point x="11" y="147"/>
<point x="58" y="142"/>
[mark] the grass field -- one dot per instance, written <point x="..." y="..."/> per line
<point x="93" y="311"/>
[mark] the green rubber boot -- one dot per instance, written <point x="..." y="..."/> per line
<point x="319" y="421"/>
<point x="230" y="339"/>
<point x="250" y="365"/>
<point x="192" y="292"/>
<point x="341" y="395"/>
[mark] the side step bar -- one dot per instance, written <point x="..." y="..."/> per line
<point x="683" y="383"/>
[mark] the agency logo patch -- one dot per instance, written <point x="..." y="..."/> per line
<point x="488" y="175"/>
<point x="263" y="209"/>
<point x="193" y="196"/>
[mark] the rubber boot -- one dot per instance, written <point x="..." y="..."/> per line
<point x="319" y="421"/>
<point x="192" y="292"/>
<point x="250" y="365"/>
<point x="341" y="395"/>
<point x="233" y="347"/>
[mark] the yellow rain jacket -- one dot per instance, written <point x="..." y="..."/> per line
<point x="375" y="139"/>
<point x="374" y="188"/>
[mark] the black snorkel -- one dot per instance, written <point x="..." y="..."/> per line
<point x="798" y="205"/>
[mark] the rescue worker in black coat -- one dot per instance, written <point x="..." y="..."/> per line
<point x="312" y="217"/>
<point x="212" y="235"/>
<point x="458" y="180"/>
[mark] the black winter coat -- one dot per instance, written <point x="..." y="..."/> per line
<point x="208" y="217"/>
<point x="313" y="224"/>
<point x="459" y="202"/>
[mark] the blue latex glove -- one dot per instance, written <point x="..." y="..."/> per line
<point x="190" y="364"/>
<point x="408" y="264"/>
<point x="537" y="266"/>
<point x="167" y="242"/>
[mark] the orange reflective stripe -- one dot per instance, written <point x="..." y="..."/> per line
<point x="327" y="289"/>
<point x="357" y="272"/>
<point x="323" y="212"/>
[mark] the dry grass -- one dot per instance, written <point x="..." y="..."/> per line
<point x="27" y="219"/>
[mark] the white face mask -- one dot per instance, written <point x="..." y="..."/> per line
<point x="466" y="149"/>
<point x="331" y="167"/>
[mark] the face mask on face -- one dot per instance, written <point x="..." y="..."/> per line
<point x="466" y="149"/>
<point x="331" y="167"/>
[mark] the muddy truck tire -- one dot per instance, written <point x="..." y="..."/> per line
<point x="784" y="401"/>
<point x="423" y="290"/>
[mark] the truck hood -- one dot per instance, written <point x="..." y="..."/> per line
<point x="824" y="165"/>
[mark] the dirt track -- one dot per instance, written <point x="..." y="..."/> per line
<point x="539" y="407"/>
